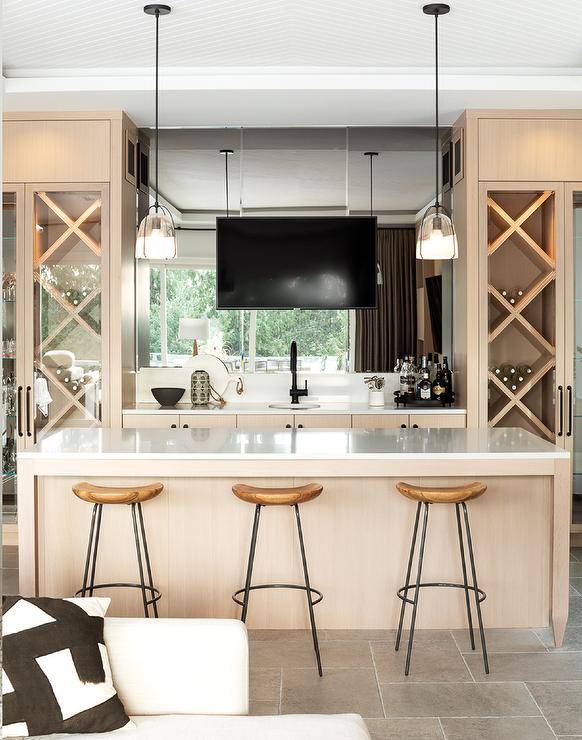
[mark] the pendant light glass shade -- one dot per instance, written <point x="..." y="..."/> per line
<point x="156" y="238"/>
<point x="436" y="236"/>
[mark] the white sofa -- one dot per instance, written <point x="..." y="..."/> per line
<point x="188" y="679"/>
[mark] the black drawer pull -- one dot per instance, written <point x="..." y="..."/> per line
<point x="415" y="426"/>
<point x="173" y="426"/>
<point x="561" y="410"/>
<point x="19" y="411"/>
<point x="184" y="426"/>
<point x="570" y="403"/>
<point x="403" y="426"/>
<point x="300" y="426"/>
<point x="28" y="410"/>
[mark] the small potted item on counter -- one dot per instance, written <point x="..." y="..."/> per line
<point x="375" y="390"/>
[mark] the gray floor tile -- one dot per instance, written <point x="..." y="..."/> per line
<point x="498" y="728"/>
<point x="263" y="708"/>
<point x="576" y="552"/>
<point x="458" y="700"/>
<point x="572" y="639"/>
<point x="359" y="634"/>
<point x="340" y="690"/>
<point x="575" y="610"/>
<point x="576" y="583"/>
<point x="576" y="569"/>
<point x="9" y="580"/>
<point x="435" y="657"/>
<point x="411" y="729"/>
<point x="298" y="654"/>
<point x="265" y="684"/>
<point x="270" y="635"/>
<point x="561" y="704"/>
<point x="528" y="667"/>
<point x="501" y="641"/>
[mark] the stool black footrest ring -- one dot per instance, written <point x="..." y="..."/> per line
<point x="278" y="585"/>
<point x="402" y="593"/>
<point x="155" y="592"/>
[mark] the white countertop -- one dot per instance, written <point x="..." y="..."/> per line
<point x="263" y="408"/>
<point x="297" y="444"/>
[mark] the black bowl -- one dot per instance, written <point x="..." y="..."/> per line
<point x="168" y="397"/>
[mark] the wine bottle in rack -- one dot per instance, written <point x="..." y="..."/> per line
<point x="524" y="371"/>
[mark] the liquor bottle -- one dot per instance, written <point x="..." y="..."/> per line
<point x="448" y="377"/>
<point x="430" y="365"/>
<point x="404" y="375"/>
<point x="438" y="384"/>
<point x="398" y="365"/>
<point x="423" y="389"/>
<point x="411" y="377"/>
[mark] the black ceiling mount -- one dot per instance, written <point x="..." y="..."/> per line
<point x="436" y="9"/>
<point x="157" y="7"/>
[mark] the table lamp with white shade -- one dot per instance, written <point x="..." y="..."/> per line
<point x="193" y="330"/>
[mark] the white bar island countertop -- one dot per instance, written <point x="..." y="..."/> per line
<point x="357" y="532"/>
<point x="321" y="407"/>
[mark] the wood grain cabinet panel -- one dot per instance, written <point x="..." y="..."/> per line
<point x="323" y="421"/>
<point x="438" y="421"/>
<point x="207" y="421"/>
<point x="379" y="421"/>
<point x="57" y="151"/>
<point x="150" y="421"/>
<point x="257" y="421"/>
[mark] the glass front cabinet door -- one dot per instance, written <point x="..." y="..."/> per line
<point x="67" y="333"/>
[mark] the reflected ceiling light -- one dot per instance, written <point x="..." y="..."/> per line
<point x="379" y="276"/>
<point x="156" y="236"/>
<point x="436" y="236"/>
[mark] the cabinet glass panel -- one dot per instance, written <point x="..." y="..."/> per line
<point x="9" y="374"/>
<point x="577" y="344"/>
<point x="67" y="264"/>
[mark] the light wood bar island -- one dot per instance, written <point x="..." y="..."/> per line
<point x="357" y="532"/>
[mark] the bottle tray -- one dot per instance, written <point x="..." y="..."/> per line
<point x="405" y="399"/>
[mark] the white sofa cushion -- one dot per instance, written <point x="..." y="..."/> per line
<point x="284" y="727"/>
<point x="179" y="666"/>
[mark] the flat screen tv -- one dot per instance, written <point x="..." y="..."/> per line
<point x="296" y="262"/>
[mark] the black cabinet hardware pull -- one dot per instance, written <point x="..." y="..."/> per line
<point x="28" y="408"/>
<point x="570" y="402"/>
<point x="287" y="426"/>
<point x="19" y="411"/>
<point x="561" y="410"/>
<point x="185" y="426"/>
<point x="403" y="426"/>
<point x="300" y="426"/>
<point x="172" y="426"/>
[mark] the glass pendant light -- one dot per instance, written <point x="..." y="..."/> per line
<point x="436" y="236"/>
<point x="156" y="236"/>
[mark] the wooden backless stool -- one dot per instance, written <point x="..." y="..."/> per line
<point x="427" y="495"/>
<point x="132" y="496"/>
<point x="279" y="497"/>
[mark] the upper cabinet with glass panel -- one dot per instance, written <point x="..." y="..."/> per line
<point x="279" y="172"/>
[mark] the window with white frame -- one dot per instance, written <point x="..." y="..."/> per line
<point x="247" y="341"/>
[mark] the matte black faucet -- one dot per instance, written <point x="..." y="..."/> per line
<point x="295" y="392"/>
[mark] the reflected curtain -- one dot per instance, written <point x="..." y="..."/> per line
<point x="389" y="331"/>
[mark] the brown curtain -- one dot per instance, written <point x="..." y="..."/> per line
<point x="389" y="331"/>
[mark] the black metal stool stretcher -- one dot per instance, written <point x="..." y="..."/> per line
<point x="279" y="497"/>
<point x="132" y="496"/>
<point x="427" y="495"/>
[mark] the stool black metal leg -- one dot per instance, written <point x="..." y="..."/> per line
<point x="95" y="548"/>
<point x="464" y="567"/>
<point x="139" y="562"/>
<point x="147" y="558"/>
<point x="417" y="589"/>
<point x="476" y="592"/>
<point x="89" y="550"/>
<point x="408" y="570"/>
<point x="308" y="591"/>
<point x="250" y="562"/>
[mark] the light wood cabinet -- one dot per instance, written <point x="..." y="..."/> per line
<point x="438" y="421"/>
<point x="323" y="421"/>
<point x="207" y="421"/>
<point x="379" y="421"/>
<point x="151" y="421"/>
<point x="257" y="421"/>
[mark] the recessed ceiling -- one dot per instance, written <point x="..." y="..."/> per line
<point x="291" y="62"/>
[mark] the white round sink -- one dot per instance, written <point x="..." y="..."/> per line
<point x="294" y="406"/>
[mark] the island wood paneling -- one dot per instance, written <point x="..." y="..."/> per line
<point x="379" y="421"/>
<point x="357" y="537"/>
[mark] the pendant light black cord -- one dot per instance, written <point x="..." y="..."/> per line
<point x="371" y="155"/>
<point x="436" y="93"/>
<point x="157" y="95"/>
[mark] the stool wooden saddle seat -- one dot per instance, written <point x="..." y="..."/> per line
<point x="132" y="496"/>
<point x="426" y="495"/>
<point x="279" y="497"/>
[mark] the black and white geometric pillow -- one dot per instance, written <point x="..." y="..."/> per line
<point x="56" y="676"/>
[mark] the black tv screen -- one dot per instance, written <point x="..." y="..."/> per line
<point x="296" y="262"/>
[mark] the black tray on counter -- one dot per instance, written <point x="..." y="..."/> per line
<point x="404" y="399"/>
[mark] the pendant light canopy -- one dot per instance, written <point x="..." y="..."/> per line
<point x="436" y="237"/>
<point x="156" y="237"/>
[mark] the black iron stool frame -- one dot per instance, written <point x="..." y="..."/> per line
<point x="402" y="593"/>
<point x="89" y="584"/>
<point x="309" y="590"/>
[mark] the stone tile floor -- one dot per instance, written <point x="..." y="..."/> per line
<point x="534" y="691"/>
